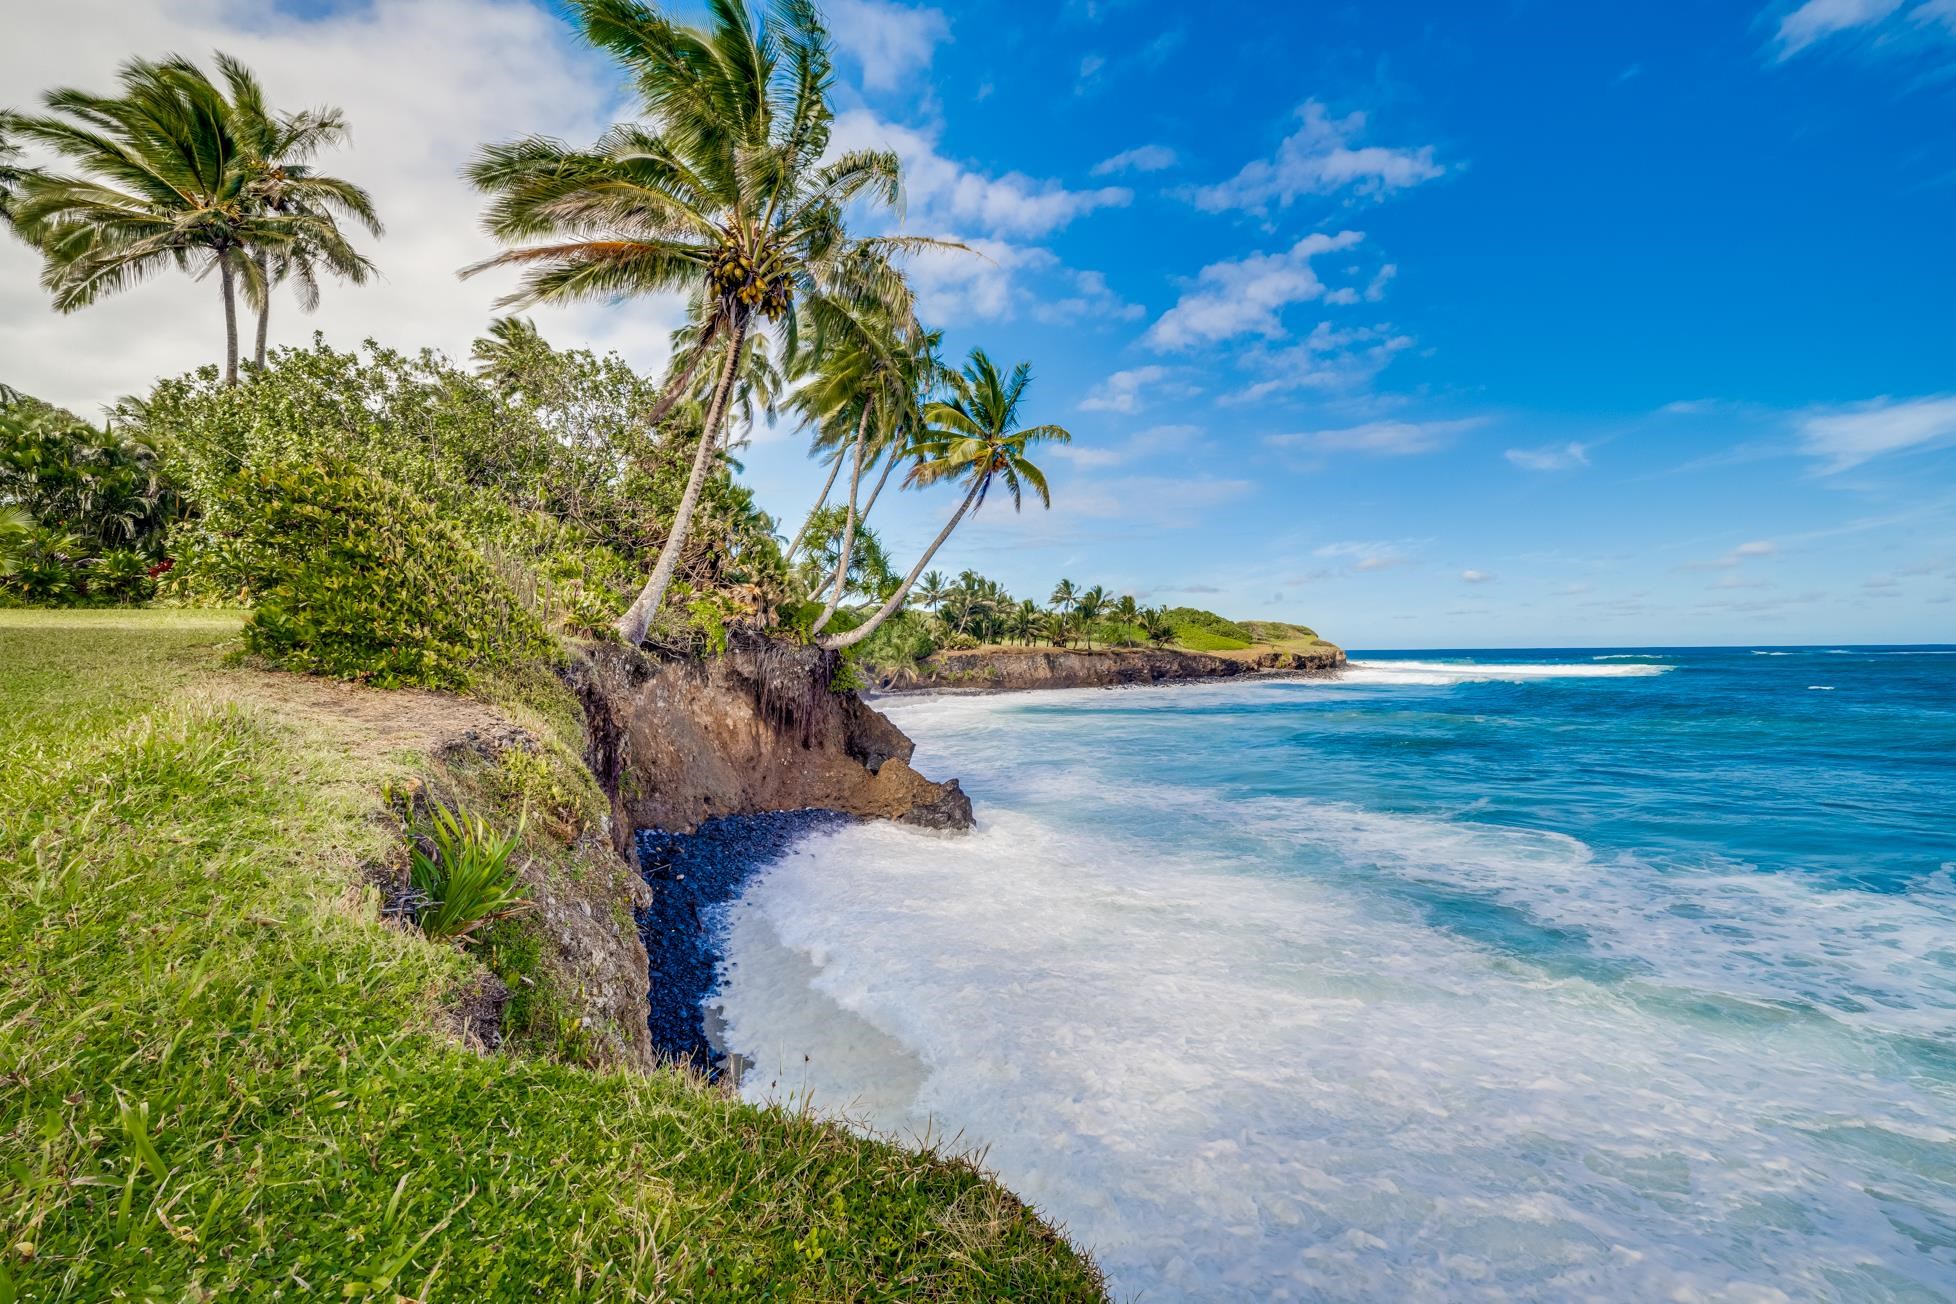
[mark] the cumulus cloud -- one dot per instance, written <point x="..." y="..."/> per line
<point x="1378" y="438"/>
<point x="1142" y="158"/>
<point x="945" y="195"/>
<point x="1089" y="299"/>
<point x="891" y="42"/>
<point x="1127" y="391"/>
<point x="1321" y="157"/>
<point x="1551" y="457"/>
<point x="1474" y="577"/>
<point x="1846" y="437"/>
<point x="1246" y="296"/>
<point x="506" y="68"/>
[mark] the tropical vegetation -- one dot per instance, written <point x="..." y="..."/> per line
<point x="178" y="171"/>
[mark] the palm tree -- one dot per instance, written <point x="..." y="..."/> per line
<point x="727" y="198"/>
<point x="504" y="357"/>
<point x="932" y="591"/>
<point x="1090" y="606"/>
<point x="11" y="174"/>
<point x="163" y="183"/>
<point x="1025" y="620"/>
<point x="277" y="150"/>
<point x="1127" y="609"/>
<point x="1063" y="595"/>
<point x="1154" y="624"/>
<point x="977" y="436"/>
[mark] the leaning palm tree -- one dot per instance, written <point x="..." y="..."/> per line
<point x="277" y="151"/>
<point x="161" y="182"/>
<point x="1090" y="606"/>
<point x="975" y="436"/>
<point x="729" y="195"/>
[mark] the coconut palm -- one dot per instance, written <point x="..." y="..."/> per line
<point x="932" y="590"/>
<point x="505" y="356"/>
<point x="731" y="196"/>
<point x="975" y="436"/>
<point x="1025" y="620"/>
<point x="11" y="173"/>
<point x="1063" y="595"/>
<point x="277" y="151"/>
<point x="1154" y="624"/>
<point x="162" y="183"/>
<point x="1090" y="606"/>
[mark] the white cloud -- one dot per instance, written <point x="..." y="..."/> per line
<point x="1091" y="299"/>
<point x="891" y="42"/>
<point x="1936" y="11"/>
<point x="1319" y="158"/>
<point x="1848" y="436"/>
<point x="1378" y="438"/>
<point x="1821" y="18"/>
<point x="1364" y="556"/>
<point x="1126" y="391"/>
<point x="1474" y="577"/>
<point x="505" y="68"/>
<point x="1749" y="551"/>
<point x="943" y="195"/>
<point x="986" y="284"/>
<point x="1550" y="457"/>
<point x="1246" y="296"/>
<point x="1168" y="502"/>
<point x="1328" y="360"/>
<point x="1142" y="158"/>
<point x="1147" y="445"/>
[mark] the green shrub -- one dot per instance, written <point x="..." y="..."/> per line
<point x="353" y="578"/>
<point x="463" y="872"/>
<point x="1205" y="631"/>
<point x="900" y="643"/>
<point x="83" y="512"/>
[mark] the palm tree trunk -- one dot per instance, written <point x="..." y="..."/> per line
<point x="632" y="625"/>
<point x="848" y="529"/>
<point x="881" y="480"/>
<point x="835" y="468"/>
<point x="888" y="609"/>
<point x="227" y="279"/>
<point x="677" y="389"/>
<point x="264" y="309"/>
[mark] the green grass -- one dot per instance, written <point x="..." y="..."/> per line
<point x="219" y="1073"/>
<point x="1196" y="639"/>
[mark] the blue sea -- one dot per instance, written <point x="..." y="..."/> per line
<point x="1542" y="975"/>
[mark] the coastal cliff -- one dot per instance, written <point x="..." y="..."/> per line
<point x="1004" y="670"/>
<point x="675" y="741"/>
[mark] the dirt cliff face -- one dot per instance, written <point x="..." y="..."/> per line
<point x="1018" y="669"/>
<point x="676" y="741"/>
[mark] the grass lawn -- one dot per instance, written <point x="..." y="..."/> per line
<point x="221" y="1074"/>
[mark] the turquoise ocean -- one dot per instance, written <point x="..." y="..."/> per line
<point x="1542" y="975"/>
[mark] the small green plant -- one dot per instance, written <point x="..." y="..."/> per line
<point x="469" y="879"/>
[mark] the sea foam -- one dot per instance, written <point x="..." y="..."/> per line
<point x="1284" y="1047"/>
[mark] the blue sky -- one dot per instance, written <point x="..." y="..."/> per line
<point x="1446" y="324"/>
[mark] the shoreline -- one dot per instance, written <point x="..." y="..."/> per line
<point x="1022" y="669"/>
<point x="692" y="875"/>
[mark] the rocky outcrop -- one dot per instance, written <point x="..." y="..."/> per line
<point x="1018" y="669"/>
<point x="677" y="740"/>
